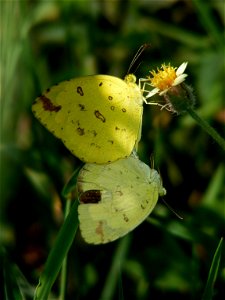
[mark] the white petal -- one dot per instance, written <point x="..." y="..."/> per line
<point x="152" y="93"/>
<point x="179" y="79"/>
<point x="181" y="69"/>
<point x="164" y="92"/>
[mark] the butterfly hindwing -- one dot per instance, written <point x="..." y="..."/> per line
<point x="128" y="191"/>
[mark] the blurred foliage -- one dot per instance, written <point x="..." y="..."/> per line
<point x="44" y="42"/>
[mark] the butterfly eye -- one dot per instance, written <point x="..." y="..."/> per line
<point x="91" y="196"/>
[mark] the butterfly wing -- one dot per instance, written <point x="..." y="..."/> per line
<point x="127" y="194"/>
<point x="98" y="118"/>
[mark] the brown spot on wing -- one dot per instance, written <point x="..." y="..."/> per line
<point x="80" y="131"/>
<point x="48" y="105"/>
<point x="92" y="132"/>
<point x="99" y="116"/>
<point x="99" y="230"/>
<point x="80" y="91"/>
<point x="91" y="196"/>
<point x="82" y="107"/>
<point x="119" y="193"/>
<point x="125" y="218"/>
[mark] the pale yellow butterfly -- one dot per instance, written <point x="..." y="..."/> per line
<point x="115" y="198"/>
<point x="98" y="117"/>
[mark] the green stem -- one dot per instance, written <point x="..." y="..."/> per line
<point x="116" y="268"/>
<point x="64" y="265"/>
<point x="210" y="130"/>
<point x="59" y="251"/>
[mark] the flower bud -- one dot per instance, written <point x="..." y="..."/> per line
<point x="179" y="98"/>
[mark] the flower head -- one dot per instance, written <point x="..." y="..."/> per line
<point x="165" y="78"/>
<point x="168" y="82"/>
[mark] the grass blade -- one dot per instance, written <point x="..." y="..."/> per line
<point x="116" y="268"/>
<point x="57" y="254"/>
<point x="208" y="292"/>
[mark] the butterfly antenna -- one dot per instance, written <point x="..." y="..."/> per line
<point x="171" y="209"/>
<point x="134" y="65"/>
<point x="167" y="205"/>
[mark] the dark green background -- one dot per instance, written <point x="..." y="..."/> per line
<point x="45" y="42"/>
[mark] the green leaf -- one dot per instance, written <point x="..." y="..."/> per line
<point x="116" y="268"/>
<point x="58" y="253"/>
<point x="208" y="292"/>
<point x="71" y="184"/>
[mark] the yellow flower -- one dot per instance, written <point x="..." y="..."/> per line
<point x="165" y="78"/>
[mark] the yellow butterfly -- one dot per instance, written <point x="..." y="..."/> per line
<point x="115" y="198"/>
<point x="98" y="117"/>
